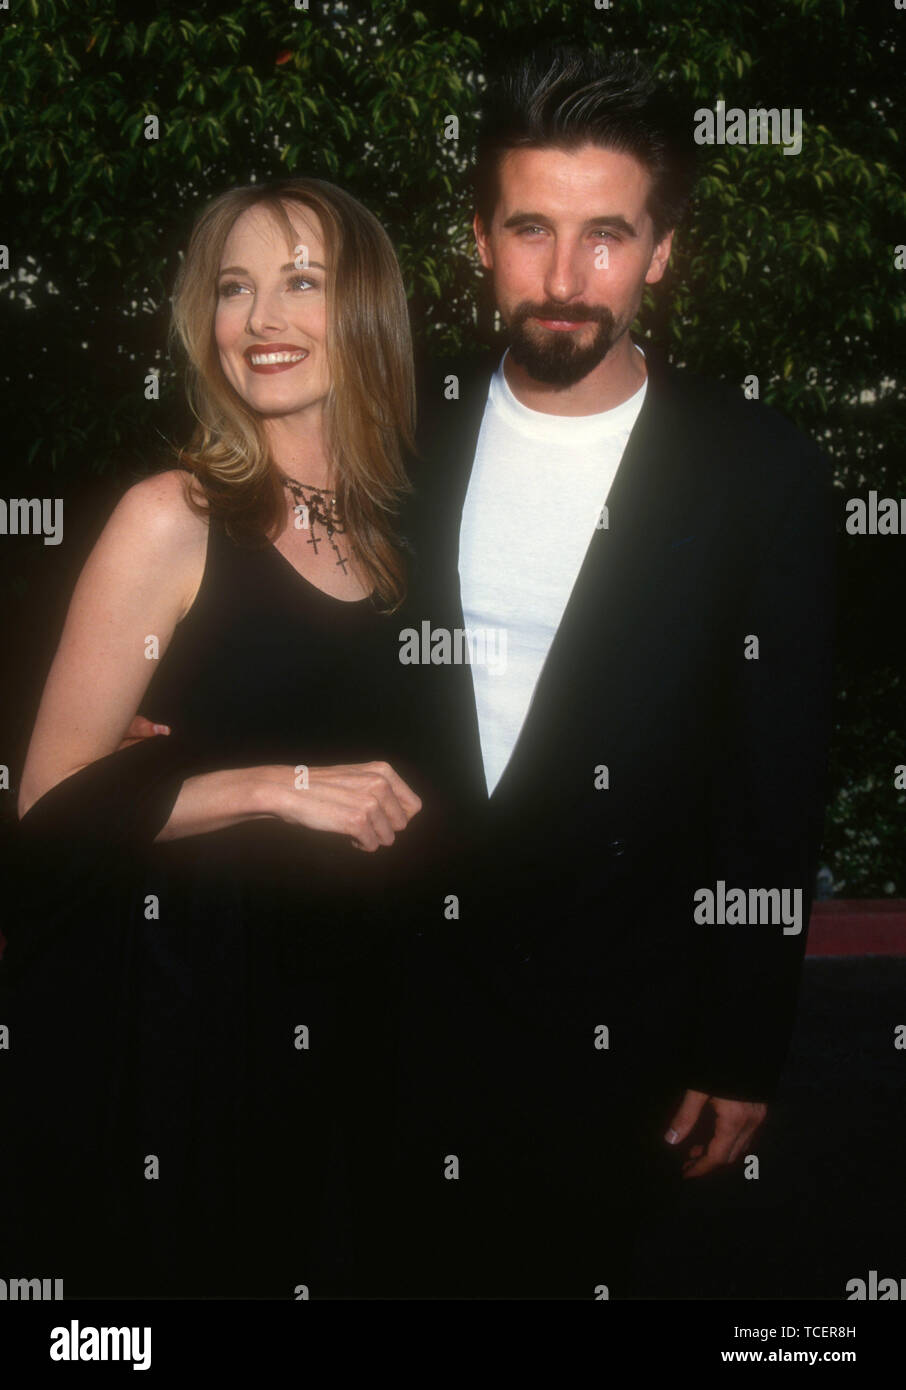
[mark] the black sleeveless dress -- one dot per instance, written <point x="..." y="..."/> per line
<point x="225" y="1120"/>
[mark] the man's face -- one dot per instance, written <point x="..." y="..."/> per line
<point x="571" y="248"/>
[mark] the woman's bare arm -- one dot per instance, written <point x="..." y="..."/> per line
<point x="138" y="583"/>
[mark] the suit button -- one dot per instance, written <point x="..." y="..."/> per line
<point x="616" y="848"/>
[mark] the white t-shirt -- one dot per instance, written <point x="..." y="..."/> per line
<point x="535" y="499"/>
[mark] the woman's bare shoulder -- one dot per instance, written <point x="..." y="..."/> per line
<point x="163" y="500"/>
<point x="157" y="514"/>
<point x="154" y="530"/>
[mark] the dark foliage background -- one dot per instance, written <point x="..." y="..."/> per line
<point x="785" y="269"/>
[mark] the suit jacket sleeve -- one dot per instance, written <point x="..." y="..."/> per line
<point x="768" y="787"/>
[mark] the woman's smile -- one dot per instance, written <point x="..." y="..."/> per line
<point x="274" y="357"/>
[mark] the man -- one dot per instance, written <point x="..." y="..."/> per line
<point x="604" y="980"/>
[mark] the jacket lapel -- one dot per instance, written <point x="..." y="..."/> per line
<point x="447" y="440"/>
<point x="648" y="510"/>
<point x="447" y="436"/>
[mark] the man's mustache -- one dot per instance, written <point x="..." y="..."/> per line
<point x="569" y="313"/>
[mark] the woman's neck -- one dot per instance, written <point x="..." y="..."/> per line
<point x="298" y="449"/>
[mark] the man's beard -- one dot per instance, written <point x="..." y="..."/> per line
<point x="556" y="359"/>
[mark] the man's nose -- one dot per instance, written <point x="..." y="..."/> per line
<point x="565" y="277"/>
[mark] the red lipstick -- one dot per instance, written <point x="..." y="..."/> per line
<point x="267" y="358"/>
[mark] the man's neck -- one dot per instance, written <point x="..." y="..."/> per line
<point x="611" y="383"/>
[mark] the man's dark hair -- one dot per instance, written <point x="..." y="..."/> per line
<point x="563" y="96"/>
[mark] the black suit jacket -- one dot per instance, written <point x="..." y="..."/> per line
<point x="578" y="901"/>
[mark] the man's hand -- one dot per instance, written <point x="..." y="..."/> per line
<point x="142" y="728"/>
<point x="735" y="1121"/>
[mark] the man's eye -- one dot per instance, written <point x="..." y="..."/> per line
<point x="604" y="232"/>
<point x="523" y="231"/>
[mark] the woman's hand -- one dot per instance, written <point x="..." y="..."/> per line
<point x="369" y="802"/>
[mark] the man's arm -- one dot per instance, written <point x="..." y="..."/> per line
<point x="768" y="809"/>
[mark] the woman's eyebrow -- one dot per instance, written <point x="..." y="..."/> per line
<point x="291" y="265"/>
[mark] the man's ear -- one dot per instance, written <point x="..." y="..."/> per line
<point x="660" y="257"/>
<point x="481" y="241"/>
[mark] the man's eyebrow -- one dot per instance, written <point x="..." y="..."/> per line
<point x="614" y="220"/>
<point x="291" y="265"/>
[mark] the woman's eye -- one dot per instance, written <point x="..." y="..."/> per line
<point x="230" y="288"/>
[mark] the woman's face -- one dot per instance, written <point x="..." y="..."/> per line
<point x="270" y="324"/>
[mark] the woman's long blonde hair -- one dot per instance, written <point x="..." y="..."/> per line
<point x="370" y="406"/>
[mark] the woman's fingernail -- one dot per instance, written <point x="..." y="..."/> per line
<point x="161" y="728"/>
<point x="671" y="1136"/>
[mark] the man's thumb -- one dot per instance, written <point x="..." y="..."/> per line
<point x="686" y="1117"/>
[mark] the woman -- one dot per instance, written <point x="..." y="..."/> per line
<point x="222" y="1120"/>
